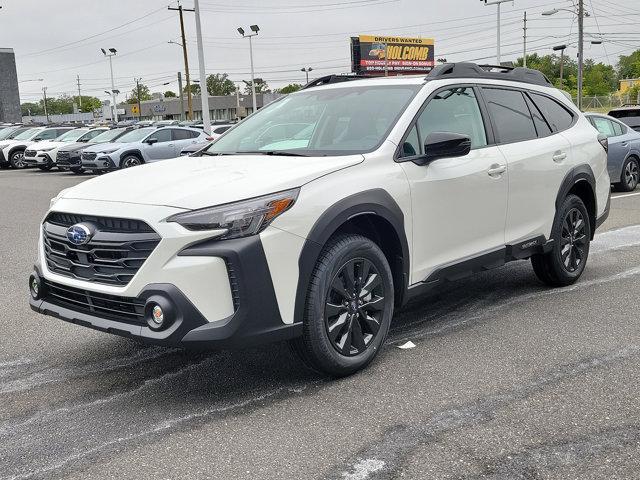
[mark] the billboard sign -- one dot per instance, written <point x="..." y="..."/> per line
<point x="377" y="55"/>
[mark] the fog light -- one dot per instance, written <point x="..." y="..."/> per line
<point x="157" y="315"/>
<point x="34" y="287"/>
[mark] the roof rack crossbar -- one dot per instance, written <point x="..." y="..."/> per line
<point x="329" y="79"/>
<point x="495" y="72"/>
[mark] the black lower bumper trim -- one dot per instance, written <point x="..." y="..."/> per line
<point x="602" y="218"/>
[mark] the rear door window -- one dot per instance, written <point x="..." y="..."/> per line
<point x="618" y="129"/>
<point x="604" y="126"/>
<point x="179" y="134"/>
<point x="510" y="115"/>
<point x="558" y="116"/>
<point x="542" y="127"/>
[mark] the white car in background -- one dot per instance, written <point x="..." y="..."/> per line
<point x="44" y="155"/>
<point x="12" y="151"/>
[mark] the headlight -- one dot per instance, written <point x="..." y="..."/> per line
<point x="47" y="149"/>
<point x="240" y="219"/>
<point x="107" y="152"/>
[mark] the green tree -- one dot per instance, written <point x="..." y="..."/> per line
<point x="261" y="86"/>
<point x="169" y="94"/>
<point x="89" y="104"/>
<point x="629" y="65"/>
<point x="145" y="94"/>
<point x="599" y="79"/>
<point x="292" y="87"/>
<point x="32" y="108"/>
<point x="219" y="84"/>
<point x="195" y="89"/>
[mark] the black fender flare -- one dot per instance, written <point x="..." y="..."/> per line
<point x="377" y="202"/>
<point x="580" y="173"/>
<point x="14" y="149"/>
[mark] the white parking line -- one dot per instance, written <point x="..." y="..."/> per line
<point x="625" y="195"/>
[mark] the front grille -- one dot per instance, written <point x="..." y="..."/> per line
<point x="114" y="254"/>
<point x="89" y="156"/>
<point x="63" y="157"/>
<point x="30" y="153"/>
<point x="124" y="309"/>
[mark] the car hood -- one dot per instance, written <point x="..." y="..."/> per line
<point x="197" y="182"/>
<point x="43" y="145"/>
<point x="101" y="147"/>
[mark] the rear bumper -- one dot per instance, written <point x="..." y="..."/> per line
<point x="255" y="319"/>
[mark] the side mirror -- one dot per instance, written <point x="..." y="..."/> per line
<point x="444" y="145"/>
<point x="152" y="140"/>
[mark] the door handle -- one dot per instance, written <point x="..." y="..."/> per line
<point x="496" y="170"/>
<point x="559" y="157"/>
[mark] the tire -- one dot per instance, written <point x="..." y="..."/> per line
<point x="131" y="161"/>
<point x="571" y="234"/>
<point x="77" y="171"/>
<point x="630" y="175"/>
<point x="63" y="169"/>
<point x="16" y="159"/>
<point x="45" y="168"/>
<point x="343" y="336"/>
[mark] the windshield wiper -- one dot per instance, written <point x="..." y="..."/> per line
<point x="284" y="153"/>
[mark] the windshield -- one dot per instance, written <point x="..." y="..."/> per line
<point x="108" y="136"/>
<point x="5" y="132"/>
<point x="136" y="135"/>
<point x="27" y="134"/>
<point x="333" y="121"/>
<point x="72" y="135"/>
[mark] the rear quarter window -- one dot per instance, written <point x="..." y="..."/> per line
<point x="558" y="117"/>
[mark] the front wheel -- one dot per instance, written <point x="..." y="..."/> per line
<point x="17" y="159"/>
<point x="571" y="235"/>
<point x="130" y="161"/>
<point x="349" y="307"/>
<point x="46" y="167"/>
<point x="77" y="170"/>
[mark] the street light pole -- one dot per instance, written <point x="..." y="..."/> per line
<point x="498" y="3"/>
<point x="186" y="58"/>
<point x="204" y="95"/>
<point x="111" y="54"/>
<point x="306" y="70"/>
<point x="138" y="95"/>
<point x="46" y="111"/>
<point x="255" y="29"/>
<point x="561" y="48"/>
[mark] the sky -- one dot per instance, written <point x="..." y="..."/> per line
<point x="56" y="41"/>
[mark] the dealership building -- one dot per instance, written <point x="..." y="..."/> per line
<point x="221" y="108"/>
<point x="9" y="93"/>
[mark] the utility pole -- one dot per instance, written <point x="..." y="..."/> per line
<point x="46" y="111"/>
<point x="561" y="48"/>
<point x="524" y="58"/>
<point x="580" y="51"/>
<point x="204" y="95"/>
<point x="181" y="96"/>
<point x="138" y="96"/>
<point x="180" y="9"/>
<point x="79" y="94"/>
<point x="386" y="60"/>
<point x="498" y="3"/>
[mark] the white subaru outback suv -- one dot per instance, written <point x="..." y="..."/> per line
<point x="396" y="185"/>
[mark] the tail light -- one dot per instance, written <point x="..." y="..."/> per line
<point x="604" y="141"/>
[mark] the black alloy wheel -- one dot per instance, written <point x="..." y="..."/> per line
<point x="573" y="240"/>
<point x="354" y="307"/>
<point x="349" y="307"/>
<point x="131" y="161"/>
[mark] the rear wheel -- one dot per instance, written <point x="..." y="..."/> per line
<point x="349" y="307"/>
<point x="16" y="160"/>
<point x="571" y="234"/>
<point x="630" y="175"/>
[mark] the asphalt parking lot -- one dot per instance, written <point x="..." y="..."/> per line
<point x="508" y="379"/>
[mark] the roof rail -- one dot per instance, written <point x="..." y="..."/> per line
<point x="329" y="79"/>
<point x="495" y="72"/>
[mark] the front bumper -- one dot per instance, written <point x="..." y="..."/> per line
<point x="69" y="161"/>
<point x="101" y="162"/>
<point x="255" y="319"/>
<point x="40" y="160"/>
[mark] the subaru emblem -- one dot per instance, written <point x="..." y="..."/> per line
<point x="79" y="234"/>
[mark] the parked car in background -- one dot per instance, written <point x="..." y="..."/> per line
<point x="11" y="131"/>
<point x="144" y="123"/>
<point x="69" y="156"/>
<point x="218" y="130"/>
<point x="44" y="154"/>
<point x="628" y="114"/>
<point x="143" y="145"/>
<point x="624" y="151"/>
<point x="12" y="152"/>
<point x="165" y="123"/>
